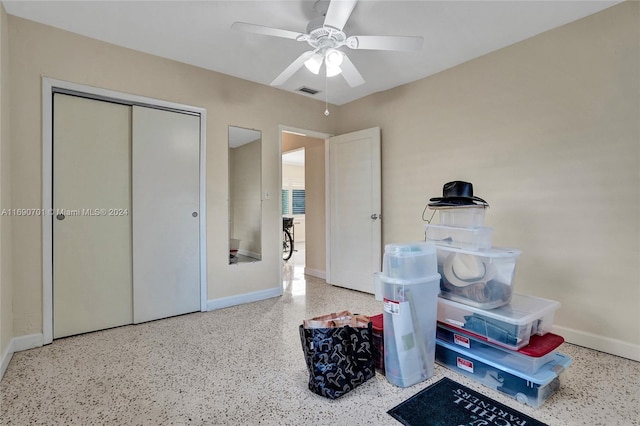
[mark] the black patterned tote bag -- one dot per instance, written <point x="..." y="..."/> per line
<point x="338" y="359"/>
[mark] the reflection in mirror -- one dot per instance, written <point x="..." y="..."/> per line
<point x="245" y="189"/>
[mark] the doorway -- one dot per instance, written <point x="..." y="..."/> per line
<point x="294" y="202"/>
<point x="320" y="245"/>
<point x="303" y="188"/>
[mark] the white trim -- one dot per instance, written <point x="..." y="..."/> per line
<point x="303" y="132"/>
<point x="599" y="343"/>
<point x="240" y="299"/>
<point x="327" y="211"/>
<point x="18" y="344"/>
<point x="203" y="210"/>
<point x="119" y="96"/>
<point x="278" y="248"/>
<point x="315" y="273"/>
<point x="30" y="341"/>
<point x="48" y="86"/>
<point x="47" y="203"/>
<point x="6" y="358"/>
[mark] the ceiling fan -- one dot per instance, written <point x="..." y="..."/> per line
<point x="326" y="37"/>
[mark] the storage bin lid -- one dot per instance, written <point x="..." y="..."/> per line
<point x="542" y="377"/>
<point x="411" y="249"/>
<point x="460" y="208"/>
<point x="540" y="346"/>
<point x="493" y="252"/>
<point x="537" y="347"/>
<point x="430" y="280"/>
<point x="522" y="309"/>
<point x="474" y="229"/>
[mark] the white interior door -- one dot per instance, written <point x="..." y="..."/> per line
<point x="354" y="203"/>
<point x="166" y="273"/>
<point x="92" y="273"/>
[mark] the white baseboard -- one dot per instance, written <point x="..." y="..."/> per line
<point x="255" y="296"/>
<point x="17" y="344"/>
<point x="30" y="341"/>
<point x="6" y="358"/>
<point x="315" y="273"/>
<point x="599" y="343"/>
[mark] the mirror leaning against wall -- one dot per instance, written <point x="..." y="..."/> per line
<point x="245" y="189"/>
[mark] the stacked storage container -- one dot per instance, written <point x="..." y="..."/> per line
<point x="409" y="284"/>
<point x="486" y="331"/>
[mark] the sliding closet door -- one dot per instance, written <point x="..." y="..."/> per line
<point x="165" y="151"/>
<point x="92" y="271"/>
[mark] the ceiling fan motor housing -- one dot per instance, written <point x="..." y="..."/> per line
<point x="323" y="37"/>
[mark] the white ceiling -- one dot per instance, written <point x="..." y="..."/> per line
<point x="199" y="33"/>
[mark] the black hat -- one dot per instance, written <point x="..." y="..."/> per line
<point x="457" y="194"/>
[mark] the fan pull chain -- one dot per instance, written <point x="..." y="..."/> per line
<point x="326" y="95"/>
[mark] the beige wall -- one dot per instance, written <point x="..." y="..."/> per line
<point x="547" y="130"/>
<point x="315" y="263"/>
<point x="37" y="50"/>
<point x="6" y="290"/>
<point x="315" y="239"/>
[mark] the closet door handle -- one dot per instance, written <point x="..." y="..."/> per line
<point x="194" y="214"/>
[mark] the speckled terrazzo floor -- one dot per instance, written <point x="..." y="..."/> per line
<point x="244" y="366"/>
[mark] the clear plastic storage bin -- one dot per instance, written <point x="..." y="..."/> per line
<point x="540" y="350"/>
<point x="480" y="278"/>
<point x="409" y="328"/>
<point x="531" y="389"/>
<point x="467" y="217"/>
<point x="510" y="326"/>
<point x="409" y="261"/>
<point x="453" y="236"/>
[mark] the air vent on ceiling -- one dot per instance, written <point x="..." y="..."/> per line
<point x="308" y="90"/>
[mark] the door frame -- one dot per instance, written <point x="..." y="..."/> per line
<point x="51" y="86"/>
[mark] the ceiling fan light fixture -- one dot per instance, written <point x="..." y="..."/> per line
<point x="332" y="70"/>
<point x="334" y="57"/>
<point x="314" y="63"/>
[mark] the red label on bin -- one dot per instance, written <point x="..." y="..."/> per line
<point x="391" y="306"/>
<point x="461" y="340"/>
<point x="464" y="364"/>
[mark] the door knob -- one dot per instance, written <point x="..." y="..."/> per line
<point x="374" y="216"/>
<point x="60" y="216"/>
<point x="194" y="214"/>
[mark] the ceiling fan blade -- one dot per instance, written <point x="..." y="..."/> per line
<point x="402" y="43"/>
<point x="259" y="29"/>
<point x="291" y="69"/>
<point x="350" y="73"/>
<point x="338" y="13"/>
